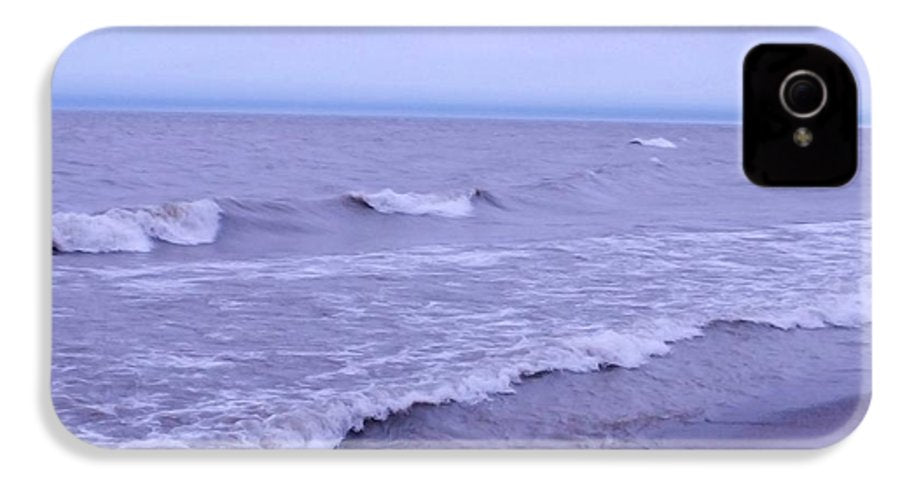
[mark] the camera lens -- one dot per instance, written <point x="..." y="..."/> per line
<point x="803" y="94"/>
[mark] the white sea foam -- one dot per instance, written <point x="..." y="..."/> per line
<point x="850" y="310"/>
<point x="135" y="229"/>
<point x="323" y="423"/>
<point x="387" y="201"/>
<point x="324" y="419"/>
<point x="610" y="347"/>
<point x="654" y="142"/>
<point x="437" y="369"/>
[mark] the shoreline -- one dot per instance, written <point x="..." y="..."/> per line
<point x="740" y="385"/>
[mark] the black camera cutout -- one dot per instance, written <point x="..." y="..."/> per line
<point x="800" y="117"/>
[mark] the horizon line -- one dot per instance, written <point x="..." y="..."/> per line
<point x="407" y="113"/>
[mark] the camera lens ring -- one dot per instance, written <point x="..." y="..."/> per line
<point x="783" y="89"/>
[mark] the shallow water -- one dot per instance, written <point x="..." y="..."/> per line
<point x="272" y="280"/>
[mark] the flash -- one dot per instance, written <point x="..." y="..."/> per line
<point x="803" y="137"/>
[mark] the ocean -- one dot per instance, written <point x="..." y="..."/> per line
<point x="275" y="280"/>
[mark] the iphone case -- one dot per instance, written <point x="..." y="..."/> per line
<point x="402" y="237"/>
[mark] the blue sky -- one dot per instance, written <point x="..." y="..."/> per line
<point x="661" y="74"/>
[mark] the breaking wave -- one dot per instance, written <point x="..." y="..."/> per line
<point x="135" y="229"/>
<point x="588" y="353"/>
<point x="387" y="201"/>
<point x="655" y="142"/>
<point x="326" y="427"/>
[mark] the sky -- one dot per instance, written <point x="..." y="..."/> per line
<point x="549" y="73"/>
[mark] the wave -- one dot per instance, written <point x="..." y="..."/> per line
<point x="386" y="201"/>
<point x="135" y="229"/>
<point x="597" y="352"/>
<point x="328" y="426"/>
<point x="324" y="418"/>
<point x="655" y="142"/>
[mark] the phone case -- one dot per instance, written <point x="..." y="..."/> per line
<point x="425" y="237"/>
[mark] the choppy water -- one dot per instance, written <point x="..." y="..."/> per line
<point x="273" y="280"/>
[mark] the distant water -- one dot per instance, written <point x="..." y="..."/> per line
<point x="272" y="280"/>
